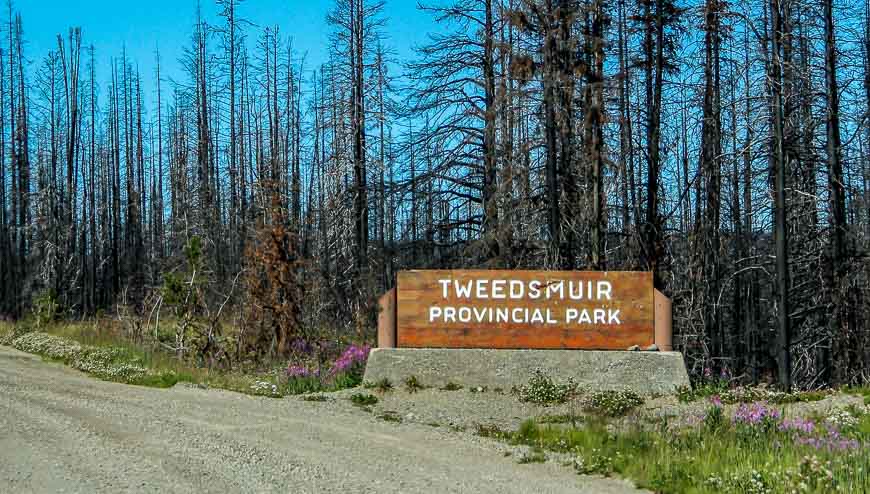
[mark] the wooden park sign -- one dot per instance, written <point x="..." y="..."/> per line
<point x="605" y="310"/>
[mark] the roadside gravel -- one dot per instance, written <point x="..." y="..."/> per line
<point x="61" y="431"/>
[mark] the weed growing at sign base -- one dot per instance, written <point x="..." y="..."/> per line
<point x="543" y="390"/>
<point x="383" y="385"/>
<point x="412" y="385"/>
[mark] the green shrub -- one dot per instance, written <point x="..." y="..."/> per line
<point x="613" y="403"/>
<point x="541" y="389"/>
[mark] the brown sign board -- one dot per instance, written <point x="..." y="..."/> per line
<point x="600" y="310"/>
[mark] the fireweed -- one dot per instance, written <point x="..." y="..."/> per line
<point x="757" y="414"/>
<point x="345" y="372"/>
<point x="351" y="360"/>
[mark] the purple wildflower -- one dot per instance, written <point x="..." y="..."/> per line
<point x="798" y="425"/>
<point x="831" y="442"/>
<point x="301" y="346"/>
<point x="353" y="356"/>
<point x="716" y="401"/>
<point x="755" y="414"/>
<point x="301" y="371"/>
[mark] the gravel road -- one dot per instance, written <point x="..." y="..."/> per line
<point x="61" y="431"/>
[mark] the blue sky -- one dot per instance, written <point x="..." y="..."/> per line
<point x="144" y="25"/>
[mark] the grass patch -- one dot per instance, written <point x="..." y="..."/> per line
<point x="746" y="394"/>
<point x="860" y="391"/>
<point x="755" y="452"/>
<point x="5" y="329"/>
<point x="363" y="399"/>
<point x="304" y="385"/>
<point x="567" y="418"/>
<point x="534" y="456"/>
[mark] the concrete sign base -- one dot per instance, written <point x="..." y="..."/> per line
<point x="643" y="372"/>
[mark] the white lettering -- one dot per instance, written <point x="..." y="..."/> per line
<point x="445" y="285"/>
<point x="464" y="314"/>
<point x="498" y="288"/>
<point x="604" y="289"/>
<point x="599" y="315"/>
<point x="613" y="316"/>
<point x="482" y="287"/>
<point x="434" y="313"/>
<point x="575" y="294"/>
<point x="553" y="287"/>
<point x="463" y="291"/>
<point x="534" y="289"/>
<point x="517" y="288"/>
<point x="570" y="314"/>
<point x="450" y="314"/>
<point x="515" y="318"/>
<point x="481" y="314"/>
